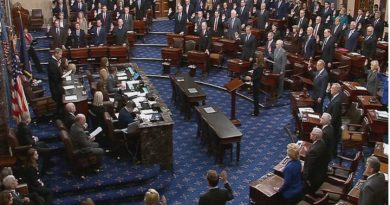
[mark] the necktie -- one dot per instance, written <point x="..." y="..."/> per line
<point x="58" y="31"/>
<point x="357" y="19"/>
<point x="307" y="42"/>
<point x="233" y="22"/>
<point x="350" y="33"/>
<point x="300" y="21"/>
<point x="316" y="30"/>
<point x="126" y="17"/>
<point x="216" y="24"/>
<point x="376" y="21"/>
<point x="247" y="37"/>
<point x="323" y="45"/>
<point x="98" y="31"/>
<point x="335" y="29"/>
<point x="269" y="47"/>
<point x="179" y="17"/>
<point x="367" y="37"/>
<point x="104" y="17"/>
<point x="188" y="6"/>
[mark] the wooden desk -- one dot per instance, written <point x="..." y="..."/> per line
<point x="7" y="161"/>
<point x="278" y="169"/>
<point x="353" y="195"/>
<point x="269" y="82"/>
<point x="367" y="102"/>
<point x="261" y="191"/>
<point x="306" y="124"/>
<point x="352" y="90"/>
<point x="378" y="127"/>
<point x="379" y="152"/>
<point x="230" y="47"/>
<point x="237" y="66"/>
<point x="199" y="59"/>
<point x="188" y="99"/>
<point x="174" y="54"/>
<point x="171" y="36"/>
<point x="218" y="131"/>
<point x="78" y="91"/>
<point x="357" y="62"/>
<point x="300" y="99"/>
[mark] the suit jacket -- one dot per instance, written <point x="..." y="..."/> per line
<point x="320" y="83"/>
<point x="54" y="76"/>
<point x="69" y="119"/>
<point x="180" y="25"/>
<point x="125" y="118"/>
<point x="369" y="46"/>
<point x="280" y="59"/>
<point x="327" y="49"/>
<point x="334" y="109"/>
<point x="248" y="46"/>
<point x="112" y="84"/>
<point x="295" y="41"/>
<point x="329" y="139"/>
<point x="320" y="30"/>
<point x="270" y="45"/>
<point x="337" y="32"/>
<point x="100" y="38"/>
<point x="351" y="40"/>
<point x="262" y="19"/>
<point x="65" y="25"/>
<point x="58" y="9"/>
<point x="379" y="27"/>
<point x="58" y="39"/>
<point x="281" y="10"/>
<point x="17" y="198"/>
<point x="75" y="7"/>
<point x="80" y="138"/>
<point x="120" y="35"/>
<point x="128" y="24"/>
<point x="372" y="81"/>
<point x="205" y="40"/>
<point x="106" y="23"/>
<point x="326" y="14"/>
<point x="256" y="76"/>
<point x="361" y="20"/>
<point x="309" y="47"/>
<point x="219" y="31"/>
<point x="78" y="41"/>
<point x="226" y="12"/>
<point x="140" y="9"/>
<point x="233" y="27"/>
<point x="304" y="23"/>
<point x="373" y="191"/>
<point x="217" y="196"/>
<point x="243" y="14"/>
<point x="190" y="9"/>
<point x="24" y="135"/>
<point x="316" y="165"/>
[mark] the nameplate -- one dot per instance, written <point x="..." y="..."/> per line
<point x="192" y="90"/>
<point x="71" y="97"/>
<point x="209" y="110"/>
<point x="68" y="87"/>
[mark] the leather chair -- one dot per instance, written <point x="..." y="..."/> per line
<point x="354" y="135"/>
<point x="36" y="19"/>
<point x="310" y="200"/>
<point x="354" y="115"/>
<point x="341" y="171"/>
<point x="341" y="68"/>
<point x="43" y="106"/>
<point x="216" y="54"/>
<point x="178" y="43"/>
<point x="98" y="52"/>
<point x="188" y="46"/>
<point x="17" y="150"/>
<point x="336" y="188"/>
<point x="140" y="28"/>
<point x="80" y="162"/>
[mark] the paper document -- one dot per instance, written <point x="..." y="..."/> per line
<point x="66" y="75"/>
<point x="313" y="116"/>
<point x="382" y="114"/>
<point x="67" y="87"/>
<point x="385" y="149"/>
<point x="305" y="110"/>
<point x="192" y="90"/>
<point x="71" y="97"/>
<point x="180" y="79"/>
<point x="121" y="74"/>
<point x="131" y="94"/>
<point x="122" y="77"/>
<point x="148" y="111"/>
<point x="360" y="88"/>
<point x="95" y="132"/>
<point x="209" y="110"/>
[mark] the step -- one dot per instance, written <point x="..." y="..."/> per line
<point x="104" y="196"/>
<point x="147" y="52"/>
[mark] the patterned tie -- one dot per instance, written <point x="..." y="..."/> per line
<point x="323" y="45"/>
<point x="350" y="33"/>
<point x="216" y="24"/>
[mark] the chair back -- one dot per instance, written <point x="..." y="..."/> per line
<point x="178" y="43"/>
<point x="80" y="54"/>
<point x="12" y="139"/>
<point x="189" y="45"/>
<point x="61" y="125"/>
<point x="109" y="127"/>
<point x="98" y="52"/>
<point x="348" y="184"/>
<point x="355" y="114"/>
<point x="355" y="161"/>
<point x="323" y="200"/>
<point x="36" y="13"/>
<point x="65" y="138"/>
<point x="121" y="53"/>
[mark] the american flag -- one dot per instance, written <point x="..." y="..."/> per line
<point x="18" y="99"/>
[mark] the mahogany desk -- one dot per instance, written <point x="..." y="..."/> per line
<point x="369" y="102"/>
<point x="174" y="54"/>
<point x="298" y="100"/>
<point x="269" y="82"/>
<point x="237" y="66"/>
<point x="357" y="62"/>
<point x="185" y="83"/>
<point x="78" y="92"/>
<point x="352" y="90"/>
<point x="261" y="191"/>
<point x="379" y="127"/>
<point x="379" y="152"/>
<point x="198" y="58"/>
<point x="230" y="47"/>
<point x="219" y="130"/>
<point x="278" y="169"/>
<point x="353" y="195"/>
<point x="306" y="124"/>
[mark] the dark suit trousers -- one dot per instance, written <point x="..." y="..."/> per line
<point x="35" y="59"/>
<point x="318" y="106"/>
<point x="45" y="193"/>
<point x="256" y="93"/>
<point x="46" y="154"/>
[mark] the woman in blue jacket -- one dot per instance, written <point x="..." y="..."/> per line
<point x="291" y="191"/>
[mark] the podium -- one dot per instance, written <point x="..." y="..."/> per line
<point x="261" y="191"/>
<point x="173" y="54"/>
<point x="232" y="87"/>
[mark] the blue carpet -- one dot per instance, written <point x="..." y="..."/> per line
<point x="163" y="26"/>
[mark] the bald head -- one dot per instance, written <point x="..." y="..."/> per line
<point x="233" y="13"/>
<point x="70" y="107"/>
<point x="80" y="119"/>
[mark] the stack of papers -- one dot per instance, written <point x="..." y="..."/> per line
<point x="71" y="97"/>
<point x="68" y="87"/>
<point x="121" y="74"/>
<point x="122" y="77"/>
<point x="192" y="90"/>
<point x="313" y="116"/>
<point x="305" y="109"/>
<point x="360" y="88"/>
<point x="148" y="112"/>
<point x="131" y="94"/>
<point x="209" y="110"/>
<point x="385" y="149"/>
<point x="382" y="115"/>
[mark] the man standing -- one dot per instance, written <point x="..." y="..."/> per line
<point x="373" y="191"/>
<point x="78" y="37"/>
<point x="379" y="25"/>
<point x="262" y="17"/>
<point x="316" y="165"/>
<point x="309" y="46"/>
<point x="280" y="62"/>
<point x="248" y="44"/>
<point x="105" y="19"/>
<point x="369" y="44"/>
<point x="216" y="24"/>
<point x="58" y="34"/>
<point x="205" y="38"/>
<point x="99" y="35"/>
<point x="320" y="83"/>
<point x="215" y="195"/>
<point x="327" y="48"/>
<point x="55" y="81"/>
<point x="233" y="24"/>
<point x="334" y="109"/>
<point x="270" y="46"/>
<point x="351" y="38"/>
<point x="327" y="134"/>
<point x="120" y="34"/>
<point x="180" y="21"/>
<point x="127" y="19"/>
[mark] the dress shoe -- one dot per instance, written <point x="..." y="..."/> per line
<point x="254" y="114"/>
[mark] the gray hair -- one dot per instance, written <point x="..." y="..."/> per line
<point x="374" y="163"/>
<point x="8" y="180"/>
<point x="327" y="117"/>
<point x="317" y="132"/>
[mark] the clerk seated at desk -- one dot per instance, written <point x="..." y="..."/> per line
<point x="113" y="85"/>
<point x="126" y="115"/>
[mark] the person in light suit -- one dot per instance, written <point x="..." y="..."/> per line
<point x="215" y="195"/>
<point x="374" y="189"/>
<point x="280" y="62"/>
<point x="351" y="37"/>
<point x="233" y="24"/>
<point x="372" y="77"/>
<point x="320" y="83"/>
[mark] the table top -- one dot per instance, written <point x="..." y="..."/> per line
<point x="267" y="183"/>
<point x="300" y="96"/>
<point x="354" y="192"/>
<point x="220" y="124"/>
<point x="379" y="151"/>
<point x="188" y="86"/>
<point x="282" y="164"/>
<point x="313" y="118"/>
<point x="74" y="90"/>
<point x="369" y="101"/>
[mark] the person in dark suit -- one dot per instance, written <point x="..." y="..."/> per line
<point x="69" y="115"/>
<point x="360" y="18"/>
<point x="32" y="177"/>
<point x="120" y="34"/>
<point x="198" y="5"/>
<point x="216" y="24"/>
<point x="280" y="9"/>
<point x="215" y="195"/>
<point x="328" y="48"/>
<point x="328" y="134"/>
<point x="316" y="165"/>
<point x="58" y="34"/>
<point x="99" y="35"/>
<point x="225" y="11"/>
<point x="374" y="189"/>
<point x="80" y="140"/>
<point x="279" y="67"/>
<point x="337" y="31"/>
<point x="369" y="43"/>
<point x="61" y="7"/>
<point x="105" y="19"/>
<point x="320" y="83"/>
<point x="112" y="85"/>
<point x="243" y="12"/>
<point x="262" y="17"/>
<point x="326" y="13"/>
<point x="248" y="44"/>
<point x="127" y="19"/>
<point x="334" y="109"/>
<point x="318" y="29"/>
<point x="302" y="21"/>
<point x="295" y="40"/>
<point x="78" y="6"/>
<point x="198" y="20"/>
<point x="291" y="190"/>
<point x="140" y="9"/>
<point x="351" y="37"/>
<point x="63" y="22"/>
<point x="372" y="73"/>
<point x="78" y="37"/>
<point x="255" y="78"/>
<point x="10" y="183"/>
<point x="205" y="38"/>
<point x="269" y="46"/>
<point x="379" y="25"/>
<point x="126" y="115"/>
<point x="54" y="74"/>
<point x="309" y="44"/>
<point x="180" y="21"/>
<point x="188" y="9"/>
<point x="233" y="24"/>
